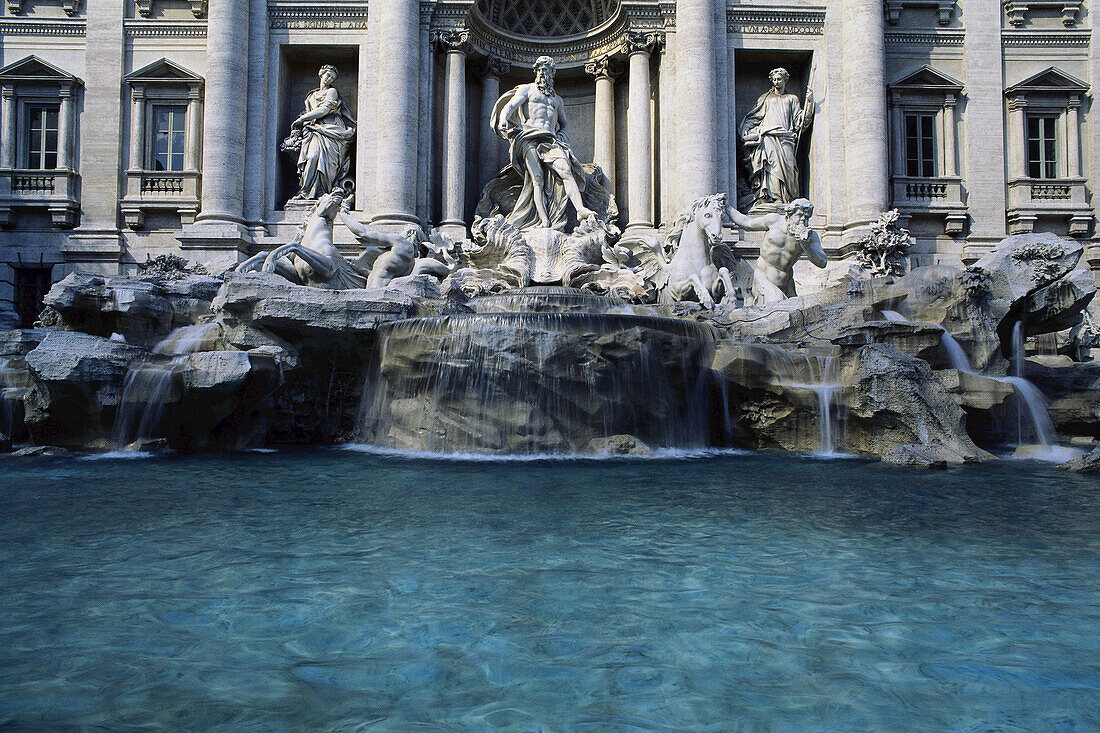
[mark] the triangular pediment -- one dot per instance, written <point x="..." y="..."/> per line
<point x="32" y="68"/>
<point x="928" y="78"/>
<point x="164" y="71"/>
<point x="1049" y="80"/>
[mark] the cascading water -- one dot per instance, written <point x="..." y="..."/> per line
<point x="817" y="373"/>
<point x="148" y="387"/>
<point x="1031" y="402"/>
<point x="515" y="378"/>
<point x="14" y="385"/>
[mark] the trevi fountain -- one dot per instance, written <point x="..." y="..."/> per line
<point x="532" y="471"/>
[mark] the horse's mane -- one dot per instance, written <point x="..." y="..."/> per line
<point x="704" y="202"/>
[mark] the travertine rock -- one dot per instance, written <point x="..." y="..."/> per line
<point x="78" y="380"/>
<point x="895" y="399"/>
<point x="1088" y="463"/>
<point x="142" y="309"/>
<point x="298" y="312"/>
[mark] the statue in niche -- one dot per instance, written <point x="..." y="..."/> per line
<point x="788" y="237"/>
<point x="771" y="133"/>
<point x="322" y="135"/>
<point x="532" y="119"/>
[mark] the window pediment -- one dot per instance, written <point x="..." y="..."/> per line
<point x="35" y="70"/>
<point x="927" y="79"/>
<point x="1049" y="81"/>
<point x="164" y="72"/>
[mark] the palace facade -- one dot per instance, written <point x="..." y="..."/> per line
<point x="134" y="128"/>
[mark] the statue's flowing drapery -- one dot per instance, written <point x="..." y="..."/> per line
<point x="549" y="148"/>
<point x="770" y="133"/>
<point x="323" y="158"/>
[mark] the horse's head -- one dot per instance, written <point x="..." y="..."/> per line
<point x="707" y="213"/>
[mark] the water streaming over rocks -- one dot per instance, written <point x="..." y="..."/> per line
<point x="797" y="370"/>
<point x="148" y="388"/>
<point x="513" y="378"/>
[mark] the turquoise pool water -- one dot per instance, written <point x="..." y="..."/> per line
<point x="333" y="590"/>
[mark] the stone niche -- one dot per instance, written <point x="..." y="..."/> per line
<point x="298" y="66"/>
<point x="751" y="80"/>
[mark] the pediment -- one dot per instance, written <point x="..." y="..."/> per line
<point x="164" y="71"/>
<point x="33" y="68"/>
<point x="928" y="78"/>
<point x="1049" y="80"/>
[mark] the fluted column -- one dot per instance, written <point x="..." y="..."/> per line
<point x="603" y="153"/>
<point x="398" y="104"/>
<point x="455" y="44"/>
<point x="7" y="120"/>
<point x="697" y="134"/>
<point x="488" y="161"/>
<point x="226" y="113"/>
<point x="639" y="145"/>
<point x="137" y="128"/>
<point x="865" y="129"/>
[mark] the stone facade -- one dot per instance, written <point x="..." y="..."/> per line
<point x="164" y="117"/>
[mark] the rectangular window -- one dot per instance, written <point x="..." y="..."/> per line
<point x="920" y="145"/>
<point x="40" y="152"/>
<point x="1042" y="146"/>
<point x="168" y="136"/>
<point x="31" y="286"/>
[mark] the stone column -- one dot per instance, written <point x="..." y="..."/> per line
<point x="950" y="167"/>
<point x="865" y="129"/>
<point x="603" y="128"/>
<point x="65" y="130"/>
<point x="137" y="128"/>
<point x="696" y="129"/>
<point x="398" y="104"/>
<point x="639" y="144"/>
<point x="194" y="129"/>
<point x="226" y="123"/>
<point x="488" y="162"/>
<point x="1073" y="138"/>
<point x="7" y="121"/>
<point x="986" y="197"/>
<point x="898" y="160"/>
<point x="1017" y="138"/>
<point x="455" y="44"/>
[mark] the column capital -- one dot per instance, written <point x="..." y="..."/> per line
<point x="1074" y="102"/>
<point x="453" y="41"/>
<point x="603" y="68"/>
<point x="492" y="66"/>
<point x="137" y="92"/>
<point x="1016" y="104"/>
<point x="642" y="42"/>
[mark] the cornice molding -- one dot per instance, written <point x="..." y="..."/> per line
<point x="43" y="27"/>
<point x="925" y="38"/>
<point x="165" y="28"/>
<point x="1079" y="38"/>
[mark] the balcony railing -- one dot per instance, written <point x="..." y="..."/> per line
<point x="940" y="197"/>
<point x="1030" y="199"/>
<point x="161" y="191"/>
<point x="55" y="191"/>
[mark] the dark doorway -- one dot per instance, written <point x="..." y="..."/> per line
<point x="31" y="286"/>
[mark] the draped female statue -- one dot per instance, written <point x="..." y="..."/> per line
<point x="322" y="135"/>
<point x="770" y="133"/>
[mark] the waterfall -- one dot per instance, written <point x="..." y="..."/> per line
<point x="520" y="376"/>
<point x="797" y="370"/>
<point x="147" y="389"/>
<point x="14" y="385"/>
